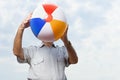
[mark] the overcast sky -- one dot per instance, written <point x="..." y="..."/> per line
<point x="94" y="30"/>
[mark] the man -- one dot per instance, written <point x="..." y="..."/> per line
<point x="47" y="62"/>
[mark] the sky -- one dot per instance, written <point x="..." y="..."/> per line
<point x="94" y="31"/>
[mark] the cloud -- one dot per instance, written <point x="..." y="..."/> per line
<point x="99" y="51"/>
<point x="114" y="14"/>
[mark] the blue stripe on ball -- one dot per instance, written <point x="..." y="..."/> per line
<point x="36" y="25"/>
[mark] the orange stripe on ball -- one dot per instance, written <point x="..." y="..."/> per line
<point x="58" y="28"/>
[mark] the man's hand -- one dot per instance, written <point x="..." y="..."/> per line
<point x="26" y="22"/>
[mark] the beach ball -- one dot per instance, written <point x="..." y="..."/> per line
<point x="48" y="22"/>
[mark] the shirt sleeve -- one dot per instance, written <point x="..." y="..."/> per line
<point x="28" y="54"/>
<point x="66" y="56"/>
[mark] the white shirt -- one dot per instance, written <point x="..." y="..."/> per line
<point x="46" y="63"/>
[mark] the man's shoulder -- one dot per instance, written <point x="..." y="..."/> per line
<point x="60" y="47"/>
<point x="31" y="47"/>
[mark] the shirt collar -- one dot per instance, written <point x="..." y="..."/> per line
<point x="44" y="45"/>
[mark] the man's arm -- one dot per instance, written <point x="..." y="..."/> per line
<point x="17" y="46"/>
<point x="73" y="59"/>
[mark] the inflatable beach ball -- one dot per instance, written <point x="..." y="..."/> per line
<point x="48" y="22"/>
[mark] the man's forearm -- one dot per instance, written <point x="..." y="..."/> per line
<point x="71" y="52"/>
<point x="17" y="47"/>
